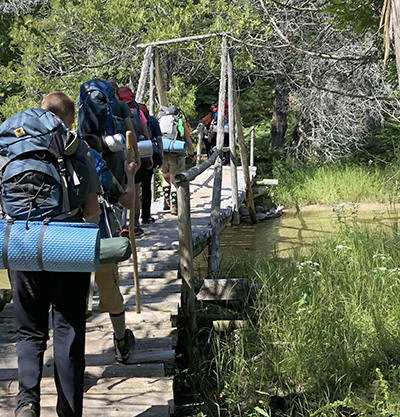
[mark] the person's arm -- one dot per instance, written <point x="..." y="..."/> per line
<point x="129" y="126"/>
<point x="127" y="200"/>
<point x="189" y="144"/>
<point x="160" y="148"/>
<point x="91" y="206"/>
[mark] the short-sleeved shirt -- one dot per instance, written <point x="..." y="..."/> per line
<point x="121" y="109"/>
<point x="154" y="127"/>
<point x="143" y="119"/>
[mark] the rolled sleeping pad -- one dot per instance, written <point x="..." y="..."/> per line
<point x="115" y="143"/>
<point x="145" y="148"/>
<point x="226" y="128"/>
<point x="174" y="146"/>
<point x="53" y="246"/>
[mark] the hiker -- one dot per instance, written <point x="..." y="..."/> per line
<point x="115" y="160"/>
<point x="34" y="293"/>
<point x="155" y="134"/>
<point x="177" y="139"/>
<point x="139" y="122"/>
<point x="101" y="113"/>
<point x="209" y="138"/>
<point x="111" y="299"/>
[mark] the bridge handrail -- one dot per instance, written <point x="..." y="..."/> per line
<point x="186" y="251"/>
<point x="193" y="172"/>
<point x="200" y="131"/>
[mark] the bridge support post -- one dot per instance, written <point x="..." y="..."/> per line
<point x="214" y="247"/>
<point x="186" y="254"/>
<point x="232" y="139"/>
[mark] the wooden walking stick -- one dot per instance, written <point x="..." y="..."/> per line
<point x="129" y="157"/>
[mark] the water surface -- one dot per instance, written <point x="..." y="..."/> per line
<point x="280" y="236"/>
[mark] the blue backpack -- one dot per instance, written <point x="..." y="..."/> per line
<point x="95" y="108"/>
<point x="36" y="174"/>
<point x="104" y="173"/>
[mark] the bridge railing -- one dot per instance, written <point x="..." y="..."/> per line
<point x="199" y="132"/>
<point x="186" y="251"/>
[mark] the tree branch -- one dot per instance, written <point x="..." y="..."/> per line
<point x="344" y="93"/>
<point x="289" y="44"/>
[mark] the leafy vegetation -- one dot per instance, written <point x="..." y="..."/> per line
<point x="322" y="336"/>
<point x="300" y="185"/>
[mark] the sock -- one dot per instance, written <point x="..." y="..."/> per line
<point x="118" y="323"/>
<point x="174" y="197"/>
<point x="166" y="192"/>
<point x="137" y="219"/>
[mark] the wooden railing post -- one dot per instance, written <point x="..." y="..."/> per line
<point x="245" y="166"/>
<point x="199" y="143"/>
<point x="186" y="254"/>
<point x="141" y="88"/>
<point x="232" y="141"/>
<point x="252" y="147"/>
<point x="152" y="96"/>
<point x="214" y="247"/>
<point x="162" y="97"/>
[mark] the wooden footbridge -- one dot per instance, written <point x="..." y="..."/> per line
<point x="208" y="195"/>
<point x="144" y="386"/>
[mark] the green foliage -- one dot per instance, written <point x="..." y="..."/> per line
<point x="323" y="337"/>
<point x="358" y="14"/>
<point x="382" y="144"/>
<point x="183" y="95"/>
<point x="307" y="184"/>
<point x="65" y="42"/>
<point x="256" y="102"/>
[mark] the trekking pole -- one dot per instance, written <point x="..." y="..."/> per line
<point x="129" y="157"/>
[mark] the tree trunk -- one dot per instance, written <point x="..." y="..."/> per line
<point x="279" y="121"/>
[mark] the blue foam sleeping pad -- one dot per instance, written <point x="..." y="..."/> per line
<point x="174" y="146"/>
<point x="66" y="247"/>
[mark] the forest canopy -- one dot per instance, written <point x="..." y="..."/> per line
<point x="310" y="73"/>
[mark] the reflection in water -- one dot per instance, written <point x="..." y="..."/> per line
<point x="275" y="236"/>
<point x="281" y="236"/>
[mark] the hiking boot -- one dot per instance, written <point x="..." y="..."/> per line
<point x="27" y="411"/>
<point x="149" y="220"/>
<point x="174" y="209"/>
<point x="138" y="232"/>
<point x="167" y="205"/>
<point x="124" y="232"/>
<point x="123" y="347"/>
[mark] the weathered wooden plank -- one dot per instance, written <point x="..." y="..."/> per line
<point x="117" y="410"/>
<point x="149" y="274"/>
<point x="146" y="370"/>
<point x="229" y="325"/>
<point x="116" y="385"/>
<point x="101" y="319"/>
<point x="154" y="399"/>
<point x="153" y="288"/>
<point x="167" y="356"/>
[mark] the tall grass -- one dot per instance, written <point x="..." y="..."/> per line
<point x="301" y="185"/>
<point x="323" y="336"/>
